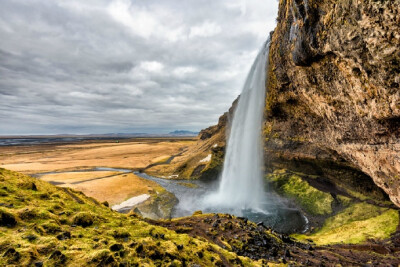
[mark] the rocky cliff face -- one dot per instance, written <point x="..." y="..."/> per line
<point x="334" y="92"/>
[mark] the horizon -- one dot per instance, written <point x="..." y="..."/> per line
<point x="125" y="66"/>
<point x="128" y="134"/>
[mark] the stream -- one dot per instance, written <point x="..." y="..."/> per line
<point x="275" y="212"/>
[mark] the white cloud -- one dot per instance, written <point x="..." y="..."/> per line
<point x="144" y="22"/>
<point x="138" y="20"/>
<point x="183" y="71"/>
<point x="207" y="29"/>
<point x="151" y="66"/>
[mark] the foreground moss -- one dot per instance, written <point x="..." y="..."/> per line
<point x="43" y="224"/>
<point x="356" y="224"/>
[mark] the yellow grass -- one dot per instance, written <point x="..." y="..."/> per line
<point x="115" y="189"/>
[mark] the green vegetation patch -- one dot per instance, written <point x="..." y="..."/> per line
<point x="309" y="198"/>
<point x="356" y="224"/>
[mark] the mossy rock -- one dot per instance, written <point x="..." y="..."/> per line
<point x="83" y="219"/>
<point x="312" y="200"/>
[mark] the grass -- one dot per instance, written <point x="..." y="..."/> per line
<point x="41" y="223"/>
<point x="356" y="224"/>
<point x="309" y="198"/>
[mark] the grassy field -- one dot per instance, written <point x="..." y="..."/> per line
<point x="111" y="186"/>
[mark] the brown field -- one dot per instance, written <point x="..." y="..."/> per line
<point x="76" y="177"/>
<point x="114" y="187"/>
<point x="135" y="154"/>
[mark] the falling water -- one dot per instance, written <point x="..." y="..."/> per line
<point x="241" y="186"/>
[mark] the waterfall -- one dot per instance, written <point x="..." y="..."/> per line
<point x="241" y="183"/>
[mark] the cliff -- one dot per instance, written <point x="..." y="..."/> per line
<point x="333" y="105"/>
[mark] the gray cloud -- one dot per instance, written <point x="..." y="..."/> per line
<point x="125" y="66"/>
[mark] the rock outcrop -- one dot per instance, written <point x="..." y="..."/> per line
<point x="333" y="86"/>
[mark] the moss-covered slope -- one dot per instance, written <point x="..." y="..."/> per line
<point x="336" y="214"/>
<point x="44" y="224"/>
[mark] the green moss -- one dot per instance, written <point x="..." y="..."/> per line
<point x="344" y="201"/>
<point x="309" y="198"/>
<point x="45" y="232"/>
<point x="214" y="168"/>
<point x="356" y="224"/>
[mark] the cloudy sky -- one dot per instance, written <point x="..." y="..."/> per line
<point x="98" y="66"/>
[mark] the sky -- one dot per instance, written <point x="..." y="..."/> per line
<point x="125" y="66"/>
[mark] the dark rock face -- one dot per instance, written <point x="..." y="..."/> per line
<point x="334" y="81"/>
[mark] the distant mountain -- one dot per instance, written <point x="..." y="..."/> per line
<point x="183" y="133"/>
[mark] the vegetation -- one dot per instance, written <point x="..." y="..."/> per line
<point x="356" y="224"/>
<point x="309" y="198"/>
<point x="43" y="224"/>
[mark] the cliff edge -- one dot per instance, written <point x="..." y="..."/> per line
<point x="334" y="88"/>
